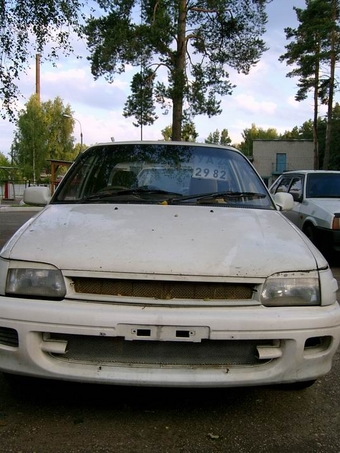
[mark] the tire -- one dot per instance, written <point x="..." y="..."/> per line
<point x="310" y="232"/>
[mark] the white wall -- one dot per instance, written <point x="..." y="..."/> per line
<point x="299" y="156"/>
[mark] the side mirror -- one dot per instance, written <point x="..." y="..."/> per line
<point x="39" y="196"/>
<point x="284" y="201"/>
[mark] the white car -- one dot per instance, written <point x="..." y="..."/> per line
<point x="205" y="285"/>
<point x="316" y="209"/>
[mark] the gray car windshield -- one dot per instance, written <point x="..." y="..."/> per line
<point x="163" y="173"/>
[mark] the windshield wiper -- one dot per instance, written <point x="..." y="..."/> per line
<point x="107" y="194"/>
<point x="228" y="195"/>
<point x="145" y="190"/>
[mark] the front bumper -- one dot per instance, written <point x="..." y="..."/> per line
<point x="328" y="240"/>
<point x="167" y="346"/>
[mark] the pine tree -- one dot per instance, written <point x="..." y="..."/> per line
<point x="188" y="43"/>
<point x="314" y="51"/>
<point x="26" y="27"/>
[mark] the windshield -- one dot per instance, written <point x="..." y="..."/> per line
<point x="323" y="185"/>
<point x="160" y="173"/>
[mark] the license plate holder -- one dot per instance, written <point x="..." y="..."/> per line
<point x="192" y="334"/>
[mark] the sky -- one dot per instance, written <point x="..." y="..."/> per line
<point x="265" y="97"/>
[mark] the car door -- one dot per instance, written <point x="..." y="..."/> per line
<point x="292" y="184"/>
<point x="296" y="190"/>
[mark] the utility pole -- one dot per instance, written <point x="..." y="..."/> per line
<point x="37" y="92"/>
<point x="37" y="76"/>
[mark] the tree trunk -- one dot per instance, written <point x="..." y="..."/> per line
<point x="179" y="73"/>
<point x="331" y="90"/>
<point x="315" y="118"/>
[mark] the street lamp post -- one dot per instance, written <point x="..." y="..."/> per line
<point x="34" y="178"/>
<point x="66" y="115"/>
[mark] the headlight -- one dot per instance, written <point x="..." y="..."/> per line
<point x="46" y="283"/>
<point x="291" y="289"/>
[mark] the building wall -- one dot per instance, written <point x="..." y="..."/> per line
<point x="298" y="154"/>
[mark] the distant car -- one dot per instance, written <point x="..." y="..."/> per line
<point x="316" y="209"/>
<point x="165" y="264"/>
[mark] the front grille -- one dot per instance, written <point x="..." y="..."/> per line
<point x="116" y="351"/>
<point x="9" y="337"/>
<point x="164" y="290"/>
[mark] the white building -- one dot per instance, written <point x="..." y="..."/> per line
<point x="272" y="157"/>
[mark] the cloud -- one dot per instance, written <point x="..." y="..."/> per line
<point x="293" y="102"/>
<point x="78" y="86"/>
<point x="249" y="103"/>
<point x="265" y="97"/>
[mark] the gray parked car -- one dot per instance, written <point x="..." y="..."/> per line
<point x="316" y="209"/>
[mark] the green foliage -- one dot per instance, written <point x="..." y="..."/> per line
<point x="314" y="52"/>
<point x="42" y="133"/>
<point x="305" y="132"/>
<point x="4" y="162"/>
<point x="189" y="133"/>
<point x="256" y="133"/>
<point x="294" y="134"/>
<point x="309" y="47"/>
<point x="189" y="44"/>
<point x="167" y="133"/>
<point x="225" y="139"/>
<point x="218" y="138"/>
<point x="26" y="27"/>
<point x="334" y="151"/>
<point x="334" y="162"/>
<point x="140" y="103"/>
<point x="77" y="149"/>
<point x="6" y="173"/>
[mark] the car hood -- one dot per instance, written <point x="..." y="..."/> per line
<point x="156" y="239"/>
<point x="331" y="205"/>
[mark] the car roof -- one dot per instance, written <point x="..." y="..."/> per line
<point x="304" y="172"/>
<point x="164" y="142"/>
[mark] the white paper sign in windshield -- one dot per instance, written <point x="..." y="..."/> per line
<point x="210" y="167"/>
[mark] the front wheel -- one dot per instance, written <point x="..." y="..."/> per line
<point x="310" y="232"/>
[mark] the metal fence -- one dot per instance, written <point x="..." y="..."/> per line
<point x="13" y="190"/>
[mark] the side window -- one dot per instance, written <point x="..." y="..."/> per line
<point x="283" y="185"/>
<point x="296" y="188"/>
